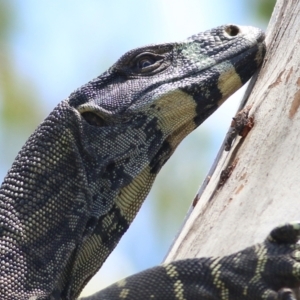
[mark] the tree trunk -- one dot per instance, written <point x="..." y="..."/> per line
<point x="263" y="189"/>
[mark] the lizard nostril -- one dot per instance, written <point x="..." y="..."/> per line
<point x="232" y="30"/>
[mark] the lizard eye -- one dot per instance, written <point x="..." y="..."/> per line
<point x="93" y="119"/>
<point x="147" y="62"/>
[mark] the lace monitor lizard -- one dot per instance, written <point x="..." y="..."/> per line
<point x="81" y="177"/>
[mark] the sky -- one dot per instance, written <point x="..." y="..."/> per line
<point x="61" y="45"/>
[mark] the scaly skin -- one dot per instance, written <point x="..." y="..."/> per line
<point x="80" y="179"/>
<point x="258" y="272"/>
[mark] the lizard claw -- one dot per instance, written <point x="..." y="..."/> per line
<point x="282" y="267"/>
<point x="286" y="294"/>
<point x="288" y="233"/>
<point x="268" y="270"/>
<point x="283" y="294"/>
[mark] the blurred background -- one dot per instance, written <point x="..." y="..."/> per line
<point x="49" y="48"/>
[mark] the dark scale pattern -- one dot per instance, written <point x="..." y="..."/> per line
<point x="258" y="272"/>
<point x="80" y="179"/>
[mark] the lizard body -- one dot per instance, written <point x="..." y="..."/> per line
<point x="80" y="179"/>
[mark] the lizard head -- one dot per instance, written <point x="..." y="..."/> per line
<point x="154" y="96"/>
<point x="160" y="93"/>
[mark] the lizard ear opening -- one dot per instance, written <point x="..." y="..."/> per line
<point x="93" y="119"/>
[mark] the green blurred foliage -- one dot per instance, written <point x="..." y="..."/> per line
<point x="6" y="20"/>
<point x="172" y="200"/>
<point x="262" y="8"/>
<point x="19" y="108"/>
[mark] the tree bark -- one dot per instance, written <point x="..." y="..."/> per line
<point x="263" y="189"/>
